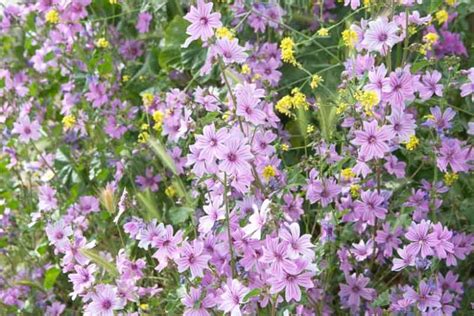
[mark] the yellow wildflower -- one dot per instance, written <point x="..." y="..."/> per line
<point x="125" y="78"/>
<point x="450" y="178"/>
<point x="323" y="32"/>
<point x="451" y="2"/>
<point x="170" y="191"/>
<point x="269" y="172"/>
<point x="158" y="117"/>
<point x="284" y="105"/>
<point x="412" y="143"/>
<point x="412" y="30"/>
<point x="245" y="70"/>
<point x="113" y="1"/>
<point x="102" y="43"/>
<point x="52" y="16"/>
<point x="348" y="173"/>
<point x="147" y="99"/>
<point x="224" y="32"/>
<point x="69" y="121"/>
<point x="299" y="99"/>
<point x="315" y="81"/>
<point x="368" y="99"/>
<point x="285" y="147"/>
<point x="143" y="137"/>
<point x="341" y="108"/>
<point x="350" y="37"/>
<point x="288" y="51"/>
<point x="355" y="190"/>
<point x="309" y="129"/>
<point x="431" y="38"/>
<point x="442" y="16"/>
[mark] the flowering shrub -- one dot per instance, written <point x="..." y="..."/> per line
<point x="271" y="158"/>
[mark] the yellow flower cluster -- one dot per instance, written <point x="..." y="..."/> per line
<point x="412" y="143"/>
<point x="113" y="1"/>
<point x="368" y="99"/>
<point x="309" y="129"/>
<point x="147" y="99"/>
<point x="451" y="2"/>
<point x="450" y="178"/>
<point x="52" y="16"/>
<point x="349" y="37"/>
<point x="341" y="108"/>
<point x="170" y="191"/>
<point x="347" y="173"/>
<point x="102" y="43"/>
<point x="442" y="16"/>
<point x="268" y="172"/>
<point x="288" y="51"/>
<point x="245" y="70"/>
<point x="429" y="39"/>
<point x="224" y="32"/>
<point x="355" y="190"/>
<point x="295" y="100"/>
<point x="125" y="78"/>
<point x="315" y="81"/>
<point x="69" y="121"/>
<point x="323" y="32"/>
<point x="158" y="117"/>
<point x="284" y="147"/>
<point x="144" y="135"/>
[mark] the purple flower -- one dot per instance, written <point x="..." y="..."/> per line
<point x="27" y="129"/>
<point x="214" y="211"/>
<point x="230" y="51"/>
<point x="58" y="234"/>
<point x="105" y="301"/>
<point x="444" y="245"/>
<point x="97" y="94"/>
<point x="55" y="309"/>
<point x="395" y="167"/>
<point x="291" y="282"/>
<point x="235" y="155"/>
<point x="248" y="99"/>
<point x="402" y="124"/>
<point x="468" y="87"/>
<point x="211" y="141"/>
<point x="297" y="245"/>
<point x="373" y="140"/>
<point x="232" y="297"/>
<point x="362" y="250"/>
<point x="257" y="221"/>
<point x="422" y="241"/>
<point x="167" y="245"/>
<point x="143" y="22"/>
<point x="407" y="259"/>
<point x="449" y="283"/>
<point x="381" y="36"/>
<point x="429" y="85"/>
<point x="261" y="143"/>
<point x="192" y="258"/>
<point x="440" y="120"/>
<point x="424" y="298"/>
<point x="451" y="153"/>
<point x="203" y="22"/>
<point x="388" y="240"/>
<point x="324" y="191"/>
<point x="355" y="289"/>
<point x="149" y="181"/>
<point x="131" y="49"/>
<point x="399" y="87"/>
<point x="370" y="207"/>
<point x="196" y="305"/>
<point x="88" y="204"/>
<point x="47" y="198"/>
<point x="276" y="254"/>
<point x="82" y="279"/>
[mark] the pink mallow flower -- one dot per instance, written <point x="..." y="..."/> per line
<point x="203" y="22"/>
<point x="233" y="297"/>
<point x="192" y="258"/>
<point x="373" y="140"/>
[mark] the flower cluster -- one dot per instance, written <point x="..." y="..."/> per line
<point x="204" y="158"/>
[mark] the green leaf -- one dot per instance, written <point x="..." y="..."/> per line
<point x="148" y="203"/>
<point x="50" y="277"/>
<point x="175" y="35"/>
<point x="252" y="293"/>
<point x="382" y="300"/>
<point x="162" y="154"/>
<point x="101" y="261"/>
<point x="179" y="215"/>
<point x="327" y="120"/>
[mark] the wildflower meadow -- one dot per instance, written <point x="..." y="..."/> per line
<point x="240" y="157"/>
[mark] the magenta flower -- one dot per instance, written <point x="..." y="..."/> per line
<point x="407" y="259"/>
<point x="58" y="234"/>
<point x="257" y="221"/>
<point x="324" y="191"/>
<point x="388" y="240"/>
<point x="211" y="141"/>
<point x="429" y="85"/>
<point x="149" y="181"/>
<point x="167" y="245"/>
<point x="261" y="143"/>
<point x="97" y="94"/>
<point x="422" y="241"/>
<point x="400" y="87"/>
<point x="452" y="154"/>
<point x="235" y="156"/>
<point x="370" y="207"/>
<point x="192" y="258"/>
<point x="440" y="120"/>
<point x="373" y="140"/>
<point x="230" y="51"/>
<point x="233" y="297"/>
<point x="444" y="246"/>
<point x="395" y="167"/>
<point x="402" y="124"/>
<point x="88" y="204"/>
<point x="277" y="256"/>
<point x="105" y="301"/>
<point x="143" y="22"/>
<point x="196" y="305"/>
<point x="468" y="87"/>
<point x="424" y="298"/>
<point x="248" y="98"/>
<point x="47" y="198"/>
<point x="355" y="289"/>
<point x="82" y="279"/>
<point x="362" y="250"/>
<point x="291" y="282"/>
<point x="381" y="36"/>
<point x="27" y="129"/>
<point x="297" y="245"/>
<point x="203" y="22"/>
<point x="214" y="212"/>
